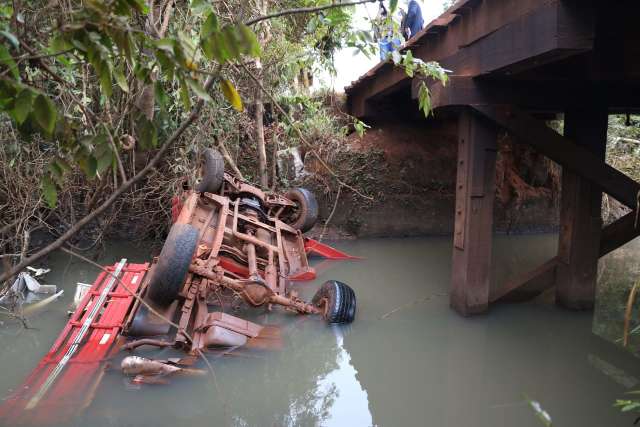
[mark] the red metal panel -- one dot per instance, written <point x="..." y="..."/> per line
<point x="316" y="248"/>
<point x="74" y="386"/>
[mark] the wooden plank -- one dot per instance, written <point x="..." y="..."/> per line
<point x="580" y="217"/>
<point x="496" y="38"/>
<point x="539" y="37"/>
<point x="475" y="191"/>
<point x="618" y="233"/>
<point x="533" y="95"/>
<point x="532" y="282"/>
<point x="564" y="151"/>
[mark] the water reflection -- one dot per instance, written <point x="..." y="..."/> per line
<point x="351" y="403"/>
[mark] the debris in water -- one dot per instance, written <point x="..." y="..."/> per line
<point x="540" y="413"/>
<point x="81" y="291"/>
<point x="148" y="371"/>
<point x="38" y="305"/>
<point x="25" y="289"/>
<point x="37" y="272"/>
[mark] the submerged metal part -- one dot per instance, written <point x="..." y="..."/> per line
<point x="136" y="365"/>
<point x="219" y="336"/>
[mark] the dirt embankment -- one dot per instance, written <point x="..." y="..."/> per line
<point x="410" y="170"/>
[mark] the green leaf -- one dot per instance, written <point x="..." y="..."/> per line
<point x="139" y="5"/>
<point x="197" y="88"/>
<point x="231" y="41"/>
<point x="63" y="165"/>
<point x="89" y="165"/>
<point x="121" y="79"/>
<point x="123" y="41"/>
<point x="165" y="44"/>
<point x="161" y="96"/>
<point x="200" y="7"/>
<point x="166" y="64"/>
<point x="45" y="113"/>
<point x="424" y="99"/>
<point x="209" y="26"/>
<point x="105" y="81"/>
<point x="147" y="133"/>
<point x="184" y="94"/>
<point x="104" y="156"/>
<point x="56" y="171"/>
<point x="49" y="191"/>
<point x="23" y="105"/>
<point x="249" y="40"/>
<point x="229" y="91"/>
<point x="7" y="60"/>
<point x="393" y="5"/>
<point x="215" y="47"/>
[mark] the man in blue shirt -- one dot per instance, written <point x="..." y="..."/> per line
<point x="413" y="22"/>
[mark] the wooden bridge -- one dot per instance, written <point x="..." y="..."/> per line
<point x="515" y="64"/>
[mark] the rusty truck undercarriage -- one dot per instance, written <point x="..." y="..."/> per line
<point x="231" y="244"/>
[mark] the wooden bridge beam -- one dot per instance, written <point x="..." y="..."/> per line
<point x="580" y="216"/>
<point x="475" y="191"/>
<point x="618" y="233"/>
<point x="563" y="150"/>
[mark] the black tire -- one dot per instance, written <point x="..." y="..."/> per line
<point x="306" y="212"/>
<point x="340" y="300"/>
<point x="212" y="172"/>
<point x="173" y="264"/>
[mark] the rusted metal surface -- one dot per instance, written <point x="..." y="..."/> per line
<point x="246" y="253"/>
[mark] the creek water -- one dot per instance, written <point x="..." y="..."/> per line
<point x="407" y="360"/>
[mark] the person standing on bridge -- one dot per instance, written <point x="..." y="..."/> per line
<point x="412" y="22"/>
<point x="383" y="31"/>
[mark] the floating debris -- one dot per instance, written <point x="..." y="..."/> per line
<point x="148" y="371"/>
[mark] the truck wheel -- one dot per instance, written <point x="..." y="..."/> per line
<point x="339" y="301"/>
<point x="173" y="264"/>
<point x="212" y="172"/>
<point x="305" y="213"/>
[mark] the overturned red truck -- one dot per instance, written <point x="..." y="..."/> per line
<point x="230" y="244"/>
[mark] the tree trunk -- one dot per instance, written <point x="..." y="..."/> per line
<point x="263" y="38"/>
<point x="260" y="144"/>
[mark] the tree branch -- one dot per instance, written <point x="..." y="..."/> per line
<point x="301" y="10"/>
<point x="114" y="196"/>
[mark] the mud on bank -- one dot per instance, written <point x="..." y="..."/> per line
<point x="410" y="171"/>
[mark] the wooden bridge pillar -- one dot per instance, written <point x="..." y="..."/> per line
<point x="580" y="216"/>
<point x="473" y="229"/>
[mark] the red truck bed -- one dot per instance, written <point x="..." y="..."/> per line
<point x="65" y="380"/>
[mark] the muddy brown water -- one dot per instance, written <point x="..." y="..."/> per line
<point x="407" y="360"/>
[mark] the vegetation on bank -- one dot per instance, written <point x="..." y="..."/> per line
<point x="107" y="105"/>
